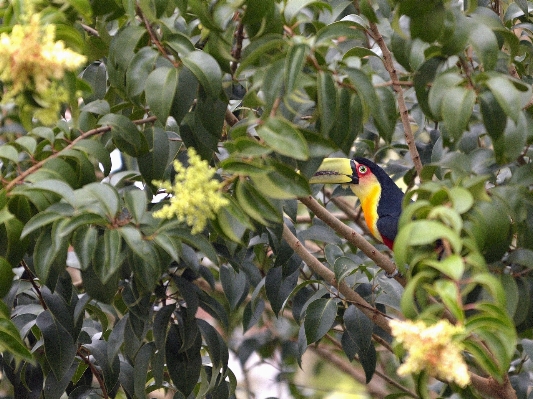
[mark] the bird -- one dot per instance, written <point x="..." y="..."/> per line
<point x="381" y="198"/>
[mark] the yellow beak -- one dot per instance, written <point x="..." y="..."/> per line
<point x="335" y="171"/>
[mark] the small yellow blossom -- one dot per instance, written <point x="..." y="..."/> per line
<point x="196" y="196"/>
<point x="433" y="348"/>
<point x="31" y="60"/>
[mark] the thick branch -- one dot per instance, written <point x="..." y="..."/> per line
<point x="317" y="267"/>
<point x="20" y="178"/>
<point x="404" y="112"/>
<point x="352" y="236"/>
<point x="490" y="388"/>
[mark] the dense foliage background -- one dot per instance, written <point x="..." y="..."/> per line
<point x="439" y="92"/>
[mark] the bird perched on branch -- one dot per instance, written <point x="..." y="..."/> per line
<point x="381" y="199"/>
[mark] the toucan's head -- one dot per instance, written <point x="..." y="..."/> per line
<point x="380" y="197"/>
<point x="360" y="173"/>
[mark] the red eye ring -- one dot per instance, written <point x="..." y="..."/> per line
<point x="362" y="169"/>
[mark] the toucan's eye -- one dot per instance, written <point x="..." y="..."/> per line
<point x="362" y="169"/>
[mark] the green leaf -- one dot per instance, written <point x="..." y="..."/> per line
<point x="10" y="340"/>
<point x="259" y="48"/>
<point x="234" y="284"/>
<point x="452" y="266"/>
<point x="186" y="94"/>
<point x="494" y="117"/>
<point x="48" y="259"/>
<point x="294" y="62"/>
<point x="282" y="183"/>
<point x="343" y="267"/>
<point x="98" y="151"/>
<point x="506" y="94"/>
<point x="83" y="7"/>
<point x="9" y="152"/>
<point x="116" y="338"/>
<point x="39" y="220"/>
<point x="232" y="221"/>
<point x="485" y="44"/>
<point x="195" y="240"/>
<point x="368" y="95"/>
<point x="359" y="329"/>
<point x="169" y="245"/>
<point x="85" y="241"/>
<point x="351" y="29"/>
<point x="98" y="107"/>
<point x="141" y="368"/>
<point x="160" y="89"/>
<point x="283" y="137"/>
<point x="423" y="232"/>
<point x="154" y="163"/>
<point x="112" y="243"/>
<point x="125" y="134"/>
<point x="140" y="67"/>
<point x="106" y="196"/>
<point x="327" y="102"/>
<point x="256" y="205"/>
<point x="58" y="187"/>
<point x="206" y="70"/>
<point x="59" y="346"/>
<point x="183" y="365"/>
<point x="440" y="88"/>
<point x="6" y="276"/>
<point x="457" y="105"/>
<point x="136" y="202"/>
<point x="319" y="318"/>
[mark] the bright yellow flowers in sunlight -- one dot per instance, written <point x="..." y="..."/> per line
<point x="433" y="348"/>
<point x="196" y="197"/>
<point x="31" y="60"/>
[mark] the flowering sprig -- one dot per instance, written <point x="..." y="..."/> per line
<point x="434" y="349"/>
<point x="32" y="61"/>
<point x="196" y="197"/>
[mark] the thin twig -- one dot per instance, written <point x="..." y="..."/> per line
<point x="20" y="178"/>
<point x="90" y="30"/>
<point x="236" y="52"/>
<point x="95" y="372"/>
<point x="34" y="284"/>
<point x="404" y="112"/>
<point x="155" y="40"/>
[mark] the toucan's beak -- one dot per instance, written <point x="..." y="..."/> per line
<point x="335" y="171"/>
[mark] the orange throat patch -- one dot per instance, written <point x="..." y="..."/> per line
<point x="369" y="198"/>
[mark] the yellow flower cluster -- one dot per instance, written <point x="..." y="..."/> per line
<point x="196" y="196"/>
<point x="32" y="61"/>
<point x="432" y="348"/>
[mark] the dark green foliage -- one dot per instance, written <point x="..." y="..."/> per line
<point x="264" y="90"/>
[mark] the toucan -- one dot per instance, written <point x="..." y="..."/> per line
<point x="381" y="199"/>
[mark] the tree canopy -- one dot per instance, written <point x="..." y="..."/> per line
<point x="208" y="228"/>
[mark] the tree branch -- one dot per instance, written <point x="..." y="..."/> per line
<point x="352" y="236"/>
<point x="20" y="178"/>
<point x="322" y="271"/>
<point x="404" y="112"/>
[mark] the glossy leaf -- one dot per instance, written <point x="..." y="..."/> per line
<point x="283" y="137"/>
<point x="319" y="318"/>
<point x="206" y="70"/>
<point x="126" y="136"/>
<point x="160" y="89"/>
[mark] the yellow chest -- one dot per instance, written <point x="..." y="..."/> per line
<point x="369" y="197"/>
